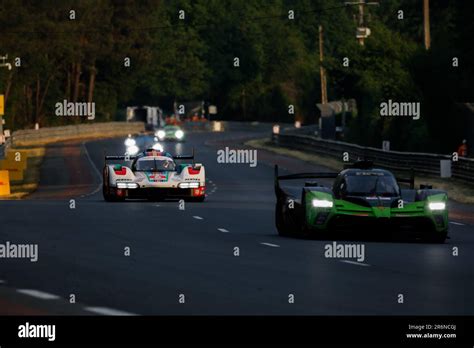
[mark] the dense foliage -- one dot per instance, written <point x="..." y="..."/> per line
<point x="171" y="58"/>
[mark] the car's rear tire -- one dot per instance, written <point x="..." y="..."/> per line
<point x="110" y="197"/>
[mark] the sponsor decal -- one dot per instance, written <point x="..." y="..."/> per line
<point x="157" y="176"/>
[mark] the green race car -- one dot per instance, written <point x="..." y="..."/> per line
<point x="361" y="199"/>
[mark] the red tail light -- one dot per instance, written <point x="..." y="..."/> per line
<point x="194" y="171"/>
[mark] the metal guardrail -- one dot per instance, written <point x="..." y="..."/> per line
<point x="424" y="163"/>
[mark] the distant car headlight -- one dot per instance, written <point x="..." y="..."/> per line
<point x="157" y="147"/>
<point x="179" y="134"/>
<point x="130" y="142"/>
<point x="132" y="150"/>
<point x="161" y="134"/>
<point x="437" y="206"/>
<point x="322" y="203"/>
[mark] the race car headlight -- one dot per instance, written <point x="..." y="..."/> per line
<point x="157" y="147"/>
<point x="179" y="134"/>
<point x="132" y="150"/>
<point x="130" y="142"/>
<point x="322" y="203"/>
<point x="437" y="205"/>
<point x="121" y="185"/>
<point x="161" y="134"/>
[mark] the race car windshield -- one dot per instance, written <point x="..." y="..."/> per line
<point x="155" y="165"/>
<point x="373" y="185"/>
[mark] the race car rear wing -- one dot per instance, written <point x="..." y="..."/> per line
<point x="319" y="175"/>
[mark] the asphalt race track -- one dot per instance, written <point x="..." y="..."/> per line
<point x="191" y="252"/>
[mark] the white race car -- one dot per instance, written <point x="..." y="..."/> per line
<point x="154" y="175"/>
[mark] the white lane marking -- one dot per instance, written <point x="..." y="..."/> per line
<point x="456" y="223"/>
<point x="2" y="281"/>
<point x="157" y="205"/>
<point x="223" y="230"/>
<point x="210" y="181"/>
<point x="271" y="245"/>
<point x="38" y="294"/>
<point x="198" y="217"/>
<point x="355" y="263"/>
<point x="107" y="311"/>
<point x="99" y="175"/>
